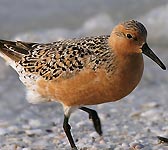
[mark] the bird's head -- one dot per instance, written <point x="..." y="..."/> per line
<point x="129" y="38"/>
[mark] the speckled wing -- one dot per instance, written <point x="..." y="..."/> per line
<point x="62" y="58"/>
<point x="67" y="57"/>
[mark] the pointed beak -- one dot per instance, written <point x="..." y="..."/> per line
<point x="148" y="52"/>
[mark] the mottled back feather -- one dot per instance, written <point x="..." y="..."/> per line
<point x="62" y="58"/>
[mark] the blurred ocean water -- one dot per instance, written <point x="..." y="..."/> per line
<point x="47" y="20"/>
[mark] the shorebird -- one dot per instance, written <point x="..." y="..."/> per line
<point x="84" y="71"/>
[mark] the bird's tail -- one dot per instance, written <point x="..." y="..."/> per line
<point x="14" y="51"/>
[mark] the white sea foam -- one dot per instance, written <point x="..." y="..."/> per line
<point x="44" y="36"/>
<point x="97" y="25"/>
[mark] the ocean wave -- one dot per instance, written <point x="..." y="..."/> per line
<point x="96" y="25"/>
<point x="156" y="22"/>
<point x="44" y="36"/>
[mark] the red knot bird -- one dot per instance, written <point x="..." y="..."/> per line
<point x="84" y="71"/>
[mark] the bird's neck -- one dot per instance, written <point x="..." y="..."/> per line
<point x="129" y="70"/>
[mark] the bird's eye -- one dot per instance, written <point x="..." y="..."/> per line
<point x="129" y="36"/>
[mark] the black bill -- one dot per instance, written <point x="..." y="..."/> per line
<point x="148" y="52"/>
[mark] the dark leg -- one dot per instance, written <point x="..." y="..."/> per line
<point x="67" y="129"/>
<point x="95" y="118"/>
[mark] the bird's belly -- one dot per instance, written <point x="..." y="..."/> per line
<point x="86" y="88"/>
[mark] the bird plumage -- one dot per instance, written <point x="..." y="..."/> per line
<point x="62" y="58"/>
<point x="84" y="71"/>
